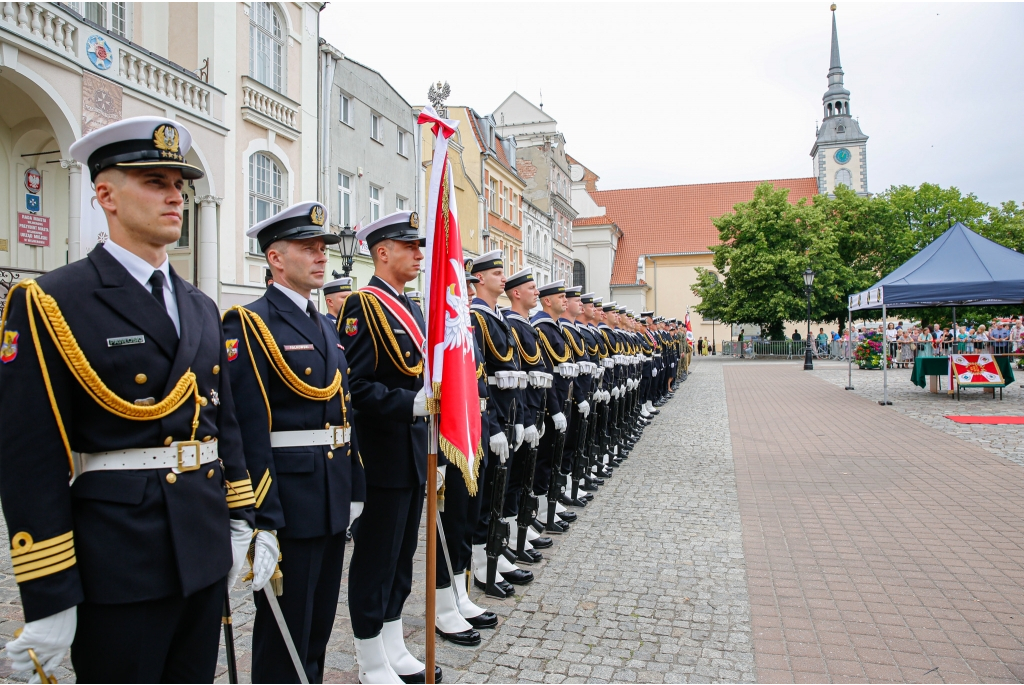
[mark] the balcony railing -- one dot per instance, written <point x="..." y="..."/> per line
<point x="269" y="109"/>
<point x="9" y="277"/>
<point x="62" y="30"/>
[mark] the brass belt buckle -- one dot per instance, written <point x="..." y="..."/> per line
<point x="189" y="467"/>
<point x="341" y="435"/>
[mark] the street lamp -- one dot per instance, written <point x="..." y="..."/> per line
<point x="808" y="282"/>
<point x="348" y="249"/>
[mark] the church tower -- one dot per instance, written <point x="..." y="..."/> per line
<point x="840" y="149"/>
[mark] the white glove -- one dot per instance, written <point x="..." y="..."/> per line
<point x="584" y="408"/>
<point x="540" y="433"/>
<point x="499" y="445"/>
<point x="622" y="390"/>
<point x="530" y="436"/>
<point x="49" y="637"/>
<point x="654" y="372"/>
<point x="615" y="392"/>
<point x="265" y="559"/>
<point x="355" y="510"/>
<point x="419" y="403"/>
<point x="560" y="423"/>
<point x="241" y="536"/>
<point x="440" y="476"/>
<point x="518" y="436"/>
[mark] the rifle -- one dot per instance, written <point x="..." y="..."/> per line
<point x="554" y="485"/>
<point x="497" y="530"/>
<point x="580" y="452"/>
<point x="528" y="503"/>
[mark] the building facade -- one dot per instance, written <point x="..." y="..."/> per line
<point x="242" y="77"/>
<point x="537" y="241"/>
<point x="840" y="151"/>
<point x="371" y="147"/>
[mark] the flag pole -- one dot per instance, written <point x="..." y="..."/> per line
<point x="431" y="580"/>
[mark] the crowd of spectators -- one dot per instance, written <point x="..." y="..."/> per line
<point x="906" y="342"/>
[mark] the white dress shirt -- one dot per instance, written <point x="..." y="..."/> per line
<point x="298" y="299"/>
<point x="142" y="271"/>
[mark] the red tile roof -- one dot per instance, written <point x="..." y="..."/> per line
<point x="592" y="221"/>
<point x="676" y="219"/>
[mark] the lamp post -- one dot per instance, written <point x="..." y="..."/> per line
<point x="808" y="282"/>
<point x="348" y="249"/>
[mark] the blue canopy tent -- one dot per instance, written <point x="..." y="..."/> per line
<point x="958" y="268"/>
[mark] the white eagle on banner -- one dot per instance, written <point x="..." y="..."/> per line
<point x="456" y="317"/>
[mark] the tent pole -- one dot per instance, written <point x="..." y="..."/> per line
<point x="885" y="360"/>
<point x="849" y="347"/>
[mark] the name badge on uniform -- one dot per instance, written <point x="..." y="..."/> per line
<point x="126" y="340"/>
<point x="398" y="331"/>
<point x="298" y="348"/>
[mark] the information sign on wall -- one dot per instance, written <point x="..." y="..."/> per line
<point x="33" y="230"/>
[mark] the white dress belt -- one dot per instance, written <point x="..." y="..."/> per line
<point x="185" y="455"/>
<point x="334" y="436"/>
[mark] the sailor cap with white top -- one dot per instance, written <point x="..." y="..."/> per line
<point x="402" y="225"/>
<point x="137" y="143"/>
<point x="574" y="291"/>
<point x="552" y="288"/>
<point x="487" y="261"/>
<point x="588" y="298"/>
<point x="298" y="222"/>
<point x="415" y="295"/>
<point x="647" y="315"/>
<point x="338" y="285"/>
<point x="521" y="278"/>
<point x="610" y="306"/>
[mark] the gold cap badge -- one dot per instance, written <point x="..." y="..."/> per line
<point x="414" y="220"/>
<point x="165" y="138"/>
<point x="316" y="215"/>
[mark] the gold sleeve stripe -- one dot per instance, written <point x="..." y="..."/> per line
<point x="240" y="494"/>
<point x="38" y="559"/>
<point x="263" y="488"/>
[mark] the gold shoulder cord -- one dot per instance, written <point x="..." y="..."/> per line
<point x="490" y="343"/>
<point x="555" y="359"/>
<point x="37" y="301"/>
<point x="381" y="329"/>
<point x="532" y="361"/>
<point x="576" y="349"/>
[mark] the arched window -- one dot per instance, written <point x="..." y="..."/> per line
<point x="266" y="191"/>
<point x="266" y="45"/>
<point x="579" y="274"/>
<point x="844" y="178"/>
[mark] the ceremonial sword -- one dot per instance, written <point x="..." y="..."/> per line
<point x="279" y="617"/>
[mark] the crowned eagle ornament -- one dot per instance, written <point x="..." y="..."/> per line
<point x="437" y="95"/>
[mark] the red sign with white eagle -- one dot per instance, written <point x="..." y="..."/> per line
<point x="976" y="369"/>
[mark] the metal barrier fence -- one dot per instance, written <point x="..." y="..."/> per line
<point x="904" y="353"/>
<point x="787" y="349"/>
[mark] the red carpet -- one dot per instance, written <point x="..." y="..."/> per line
<point x="987" y="419"/>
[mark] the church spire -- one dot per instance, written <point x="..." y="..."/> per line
<point x="836" y="100"/>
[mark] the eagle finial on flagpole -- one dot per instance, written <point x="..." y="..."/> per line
<point x="437" y="95"/>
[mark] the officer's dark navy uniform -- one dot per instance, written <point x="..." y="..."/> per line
<point x="142" y="552"/>
<point x="580" y="393"/>
<point x="290" y="375"/>
<point x="379" y="328"/>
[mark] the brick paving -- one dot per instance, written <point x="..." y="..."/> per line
<point x="876" y="548"/>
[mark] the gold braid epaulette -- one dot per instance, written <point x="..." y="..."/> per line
<point x="576" y="349"/>
<point x="381" y="330"/>
<point x="613" y="347"/>
<point x="490" y="343"/>
<point x="265" y="338"/>
<point x="532" y="361"/>
<point x="555" y="359"/>
<point x="64" y="340"/>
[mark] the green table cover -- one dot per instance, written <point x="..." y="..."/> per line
<point x="939" y="366"/>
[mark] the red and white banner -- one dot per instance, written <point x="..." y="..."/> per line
<point x="975" y="369"/>
<point x="689" y="328"/>
<point x="449" y="363"/>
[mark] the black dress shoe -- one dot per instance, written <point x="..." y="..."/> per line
<point x="557" y="527"/>
<point x="541" y="543"/>
<point x="605" y="472"/>
<point x="567" y="501"/>
<point x="466" y="638"/>
<point x="518" y="576"/>
<point x="502" y="590"/>
<point x="567" y="516"/>
<point x="488" y="619"/>
<point x="528" y="557"/>
<point x="592" y="480"/>
<point x="421" y="677"/>
<point x="614" y="463"/>
<point x="587" y="496"/>
<point x="589" y="486"/>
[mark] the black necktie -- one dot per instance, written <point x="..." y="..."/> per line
<point x="156" y="281"/>
<point x="311" y="310"/>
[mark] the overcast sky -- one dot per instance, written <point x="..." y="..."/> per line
<point x="669" y="93"/>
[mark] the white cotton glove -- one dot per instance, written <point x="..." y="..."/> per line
<point x="241" y="536"/>
<point x="264" y="559"/>
<point x="49" y="637"/>
<point x="560" y="423"/>
<point x="355" y="509"/>
<point x="540" y="433"/>
<point x="622" y="390"/>
<point x="615" y="392"/>
<point x="530" y="436"/>
<point x="518" y="436"/>
<point x="419" y="403"/>
<point x="654" y="372"/>
<point x="499" y="445"/>
<point x="440" y="476"/>
<point x="584" y="408"/>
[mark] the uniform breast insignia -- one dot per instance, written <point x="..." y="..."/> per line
<point x="126" y="340"/>
<point x="298" y="348"/>
<point x="232" y="345"/>
<point x="9" y="348"/>
<point x="351" y="326"/>
<point x="215" y="398"/>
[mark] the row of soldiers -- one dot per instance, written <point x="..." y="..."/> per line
<point x="152" y="451"/>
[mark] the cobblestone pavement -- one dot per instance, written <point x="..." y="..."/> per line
<point x="877" y="548"/>
<point x="649" y="585"/>
<point x="932" y="408"/>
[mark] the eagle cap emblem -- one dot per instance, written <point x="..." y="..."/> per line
<point x="414" y="220"/>
<point x="316" y="215"/>
<point x="165" y="138"/>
